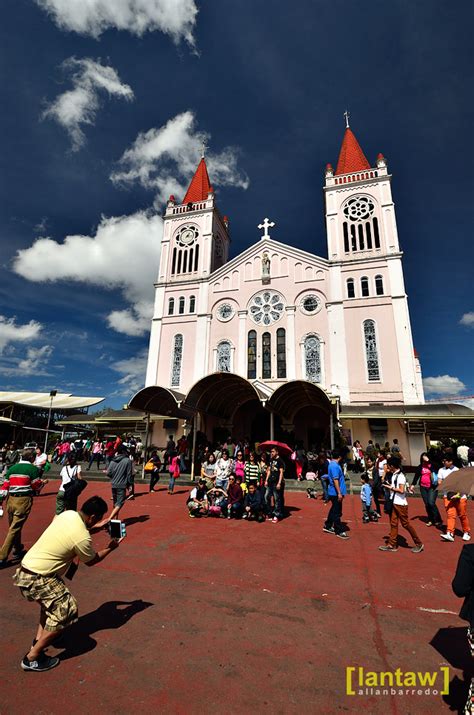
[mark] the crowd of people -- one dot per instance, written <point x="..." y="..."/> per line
<point x="234" y="483"/>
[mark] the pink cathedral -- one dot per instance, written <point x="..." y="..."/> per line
<point x="278" y="342"/>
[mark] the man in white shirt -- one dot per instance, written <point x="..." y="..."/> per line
<point x="399" y="508"/>
<point x="456" y="505"/>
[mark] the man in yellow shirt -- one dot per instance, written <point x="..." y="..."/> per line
<point x="66" y="541"/>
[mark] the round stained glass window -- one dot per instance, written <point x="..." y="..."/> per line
<point x="310" y="304"/>
<point x="225" y="311"/>
<point x="359" y="208"/>
<point x="266" y="307"/>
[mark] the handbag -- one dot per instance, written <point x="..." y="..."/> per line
<point x="149" y="466"/>
<point x="74" y="487"/>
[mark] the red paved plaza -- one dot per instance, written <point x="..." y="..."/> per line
<point x="206" y="615"/>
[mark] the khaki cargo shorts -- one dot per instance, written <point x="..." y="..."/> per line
<point x="57" y="603"/>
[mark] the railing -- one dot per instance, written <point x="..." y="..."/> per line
<point x="198" y="206"/>
<point x="359" y="176"/>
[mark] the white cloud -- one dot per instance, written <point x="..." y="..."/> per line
<point x="10" y="332"/>
<point x="176" y="18"/>
<point x="36" y="359"/>
<point x="79" y="106"/>
<point x="164" y="159"/>
<point x="468" y="319"/>
<point x="443" y="385"/>
<point x="123" y="253"/>
<point x="133" y="372"/>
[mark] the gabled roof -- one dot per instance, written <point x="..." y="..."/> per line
<point x="351" y="156"/>
<point x="269" y="244"/>
<point x="200" y="185"/>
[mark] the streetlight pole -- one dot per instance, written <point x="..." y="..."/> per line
<point x="52" y="394"/>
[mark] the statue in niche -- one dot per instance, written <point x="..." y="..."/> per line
<point x="266" y="268"/>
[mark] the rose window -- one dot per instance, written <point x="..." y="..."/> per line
<point x="266" y="307"/>
<point x="359" y="208"/>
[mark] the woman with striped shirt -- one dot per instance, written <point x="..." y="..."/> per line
<point x="252" y="470"/>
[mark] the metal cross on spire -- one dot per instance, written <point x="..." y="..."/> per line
<point x="265" y="226"/>
<point x="347" y="115"/>
<point x="203" y="148"/>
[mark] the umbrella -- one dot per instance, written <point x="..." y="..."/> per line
<point x="460" y="482"/>
<point x="283" y="448"/>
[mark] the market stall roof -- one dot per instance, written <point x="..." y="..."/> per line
<point x="109" y="417"/>
<point x="42" y="400"/>
<point x="429" y="411"/>
<point x="8" y="421"/>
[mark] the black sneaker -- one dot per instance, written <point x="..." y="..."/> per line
<point x="329" y="530"/>
<point x="43" y="663"/>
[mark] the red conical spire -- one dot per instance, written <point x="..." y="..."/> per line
<point x="351" y="156"/>
<point x="200" y="185"/>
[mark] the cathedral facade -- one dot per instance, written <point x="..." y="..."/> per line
<point x="278" y="339"/>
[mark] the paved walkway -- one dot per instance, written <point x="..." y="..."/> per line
<point x="211" y="616"/>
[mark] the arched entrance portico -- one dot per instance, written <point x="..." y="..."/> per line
<point x="220" y="399"/>
<point x="306" y="412"/>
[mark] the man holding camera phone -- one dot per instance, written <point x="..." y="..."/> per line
<point x="60" y="548"/>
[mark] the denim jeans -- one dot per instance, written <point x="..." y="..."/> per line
<point x="334" y="515"/>
<point x="324" y="485"/>
<point x="278" y="496"/>
<point x="97" y="457"/>
<point x="429" y="495"/>
<point x="171" y="484"/>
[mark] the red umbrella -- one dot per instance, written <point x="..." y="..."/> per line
<point x="283" y="448"/>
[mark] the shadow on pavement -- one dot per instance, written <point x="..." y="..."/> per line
<point x="136" y="519"/>
<point x="452" y="644"/>
<point x="78" y="640"/>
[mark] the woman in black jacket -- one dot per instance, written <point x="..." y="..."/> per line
<point x="463" y="586"/>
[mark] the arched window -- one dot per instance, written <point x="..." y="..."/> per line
<point x="192" y="304"/>
<point x="266" y="356"/>
<point x="171" y="306"/>
<point x="361" y="237"/>
<point x="371" y="351"/>
<point x="376" y="232"/>
<point x="350" y="288"/>
<point x="177" y="360"/>
<point x="312" y="358"/>
<point x="181" y="306"/>
<point x="223" y="356"/>
<point x="346" y="236"/>
<point x="252" y="355"/>
<point x="281" y="352"/>
<point x="364" y="287"/>
<point x="378" y="285"/>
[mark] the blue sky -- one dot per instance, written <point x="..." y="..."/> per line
<point x="103" y="118"/>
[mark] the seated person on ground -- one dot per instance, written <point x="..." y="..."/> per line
<point x="235" y="499"/>
<point x="197" y="502"/>
<point x="217" y="499"/>
<point x="254" y="504"/>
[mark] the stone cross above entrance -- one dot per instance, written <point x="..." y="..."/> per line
<point x="265" y="226"/>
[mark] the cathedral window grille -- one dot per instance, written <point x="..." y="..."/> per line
<point x="368" y="233"/>
<point x="181" y="305"/>
<point x="171" y="306"/>
<point x="360" y="226"/>
<point x="364" y="287"/>
<point x="376" y="232"/>
<point x="346" y="236"/>
<point x="196" y="258"/>
<point x="252" y="355"/>
<point x="266" y="356"/>
<point x="350" y="288"/>
<point x="177" y="361"/>
<point x="223" y="356"/>
<point x="378" y="285"/>
<point x="371" y="351"/>
<point x="281" y="353"/>
<point x="266" y="307"/>
<point x="312" y="358"/>
<point x="192" y="304"/>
